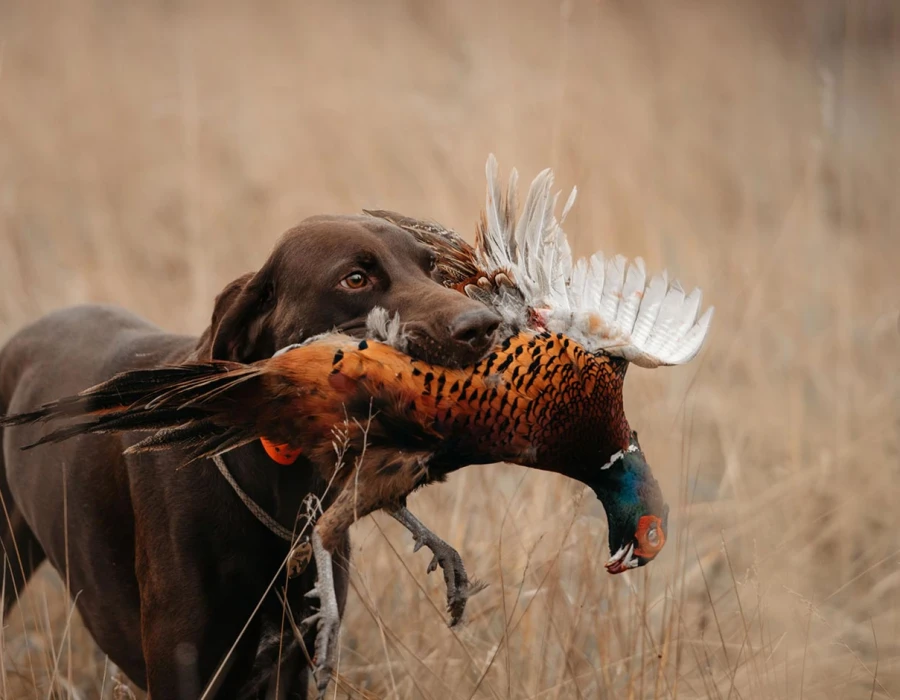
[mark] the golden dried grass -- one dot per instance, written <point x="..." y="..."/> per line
<point x="152" y="152"/>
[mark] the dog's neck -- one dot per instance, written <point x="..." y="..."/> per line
<point x="277" y="489"/>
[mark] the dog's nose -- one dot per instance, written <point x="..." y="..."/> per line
<point x="475" y="328"/>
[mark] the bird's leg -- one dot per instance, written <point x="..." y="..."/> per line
<point x="459" y="587"/>
<point x="327" y="619"/>
<point x="353" y="502"/>
<point x="362" y="493"/>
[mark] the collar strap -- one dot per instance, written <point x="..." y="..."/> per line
<point x="273" y="525"/>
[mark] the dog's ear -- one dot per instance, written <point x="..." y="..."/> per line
<point x="239" y="319"/>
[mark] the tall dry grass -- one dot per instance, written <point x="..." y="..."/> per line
<point x="151" y="152"/>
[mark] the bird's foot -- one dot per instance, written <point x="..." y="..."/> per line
<point x="459" y="587"/>
<point x="327" y="619"/>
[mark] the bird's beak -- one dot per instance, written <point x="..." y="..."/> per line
<point x="623" y="560"/>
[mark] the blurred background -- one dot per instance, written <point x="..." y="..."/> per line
<point x="150" y="152"/>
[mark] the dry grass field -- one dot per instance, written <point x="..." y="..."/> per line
<point x="150" y="152"/>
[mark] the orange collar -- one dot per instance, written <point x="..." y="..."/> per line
<point x="282" y="454"/>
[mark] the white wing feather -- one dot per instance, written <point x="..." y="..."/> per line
<point x="496" y="247"/>
<point x="632" y="292"/>
<point x="612" y="288"/>
<point x="578" y="286"/>
<point x="607" y="305"/>
<point x="597" y="276"/>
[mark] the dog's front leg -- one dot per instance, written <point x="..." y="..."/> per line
<point x="183" y="662"/>
<point x="186" y="647"/>
<point x="459" y="587"/>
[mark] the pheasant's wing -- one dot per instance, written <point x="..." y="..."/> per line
<point x="607" y="305"/>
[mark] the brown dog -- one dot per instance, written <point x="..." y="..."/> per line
<point x="167" y="563"/>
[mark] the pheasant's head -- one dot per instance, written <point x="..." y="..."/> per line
<point x="637" y="514"/>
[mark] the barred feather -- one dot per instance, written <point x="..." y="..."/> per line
<point x="456" y="262"/>
<point x="117" y="393"/>
<point x="191" y="435"/>
<point x="173" y="402"/>
<point x="127" y="419"/>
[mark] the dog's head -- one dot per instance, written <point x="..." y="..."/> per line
<point x="329" y="273"/>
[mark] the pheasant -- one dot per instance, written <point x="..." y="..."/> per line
<point x="549" y="396"/>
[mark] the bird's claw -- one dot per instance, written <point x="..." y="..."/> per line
<point x="326" y="643"/>
<point x="308" y="622"/>
<point x="326" y="619"/>
<point x="459" y="587"/>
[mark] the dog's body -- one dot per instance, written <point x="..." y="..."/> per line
<point x="167" y="564"/>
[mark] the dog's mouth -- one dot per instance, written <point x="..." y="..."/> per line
<point x="447" y="353"/>
<point x="420" y="345"/>
<point x="355" y="329"/>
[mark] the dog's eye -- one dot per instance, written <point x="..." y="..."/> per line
<point x="432" y="263"/>
<point x="355" y="280"/>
